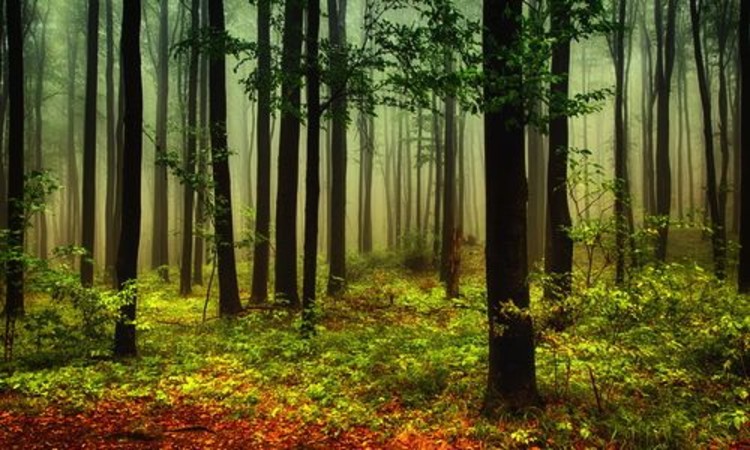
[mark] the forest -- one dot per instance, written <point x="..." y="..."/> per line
<point x="381" y="224"/>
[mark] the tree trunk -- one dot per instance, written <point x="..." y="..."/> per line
<point x="449" y="191"/>
<point x="109" y="76"/>
<point x="41" y="218"/>
<point x="312" y="180"/>
<point x="89" y="144"/>
<point x="511" y="379"/>
<point x="186" y="284"/>
<point x="337" y="33"/>
<point x="263" y="190"/>
<point x="229" y="299"/>
<point x="73" y="183"/>
<point x="665" y="45"/>
<point x="202" y="169"/>
<point x="286" y="198"/>
<point x="127" y="250"/>
<point x="718" y="237"/>
<point x="438" y="160"/>
<point x="559" y="249"/>
<point x="743" y="271"/>
<point x="160" y="236"/>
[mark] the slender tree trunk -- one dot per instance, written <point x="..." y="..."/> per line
<point x="620" y="148"/>
<point x="511" y="379"/>
<point x="200" y="209"/>
<point x="420" y="130"/>
<point x="312" y="181"/>
<point x="286" y="198"/>
<point x="186" y="284"/>
<point x="337" y="32"/>
<point x="127" y="253"/>
<point x="109" y="217"/>
<point x="89" y="144"/>
<point x="160" y="236"/>
<point x="263" y="179"/>
<point x="73" y="184"/>
<point x="665" y="44"/>
<point x="41" y="218"/>
<point x="449" y="191"/>
<point x="438" y="155"/>
<point x="398" y="204"/>
<point x="229" y="299"/>
<point x="559" y="249"/>
<point x="718" y="237"/>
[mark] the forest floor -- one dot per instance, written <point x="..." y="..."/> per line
<point x="658" y="363"/>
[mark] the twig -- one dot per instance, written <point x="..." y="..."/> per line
<point x="596" y="391"/>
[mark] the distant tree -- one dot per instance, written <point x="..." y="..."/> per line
<point x="111" y="115"/>
<point x="286" y="197"/>
<point x="511" y="379"/>
<point x="229" y="299"/>
<point x="263" y="191"/>
<point x="743" y="273"/>
<point x="89" y="143"/>
<point x="127" y="249"/>
<point x="160" y="236"/>
<point x="448" y="248"/>
<point x="718" y="236"/>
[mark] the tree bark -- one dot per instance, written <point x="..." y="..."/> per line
<point x="186" y="280"/>
<point x="286" y="198"/>
<point x="160" y="235"/>
<point x="718" y="237"/>
<point x="127" y="250"/>
<point x="229" y="299"/>
<point x="511" y="379"/>
<point x="337" y="33"/>
<point x="89" y="144"/>
<point x="559" y="249"/>
<point x="743" y="271"/>
<point x="109" y="76"/>
<point x="449" y="190"/>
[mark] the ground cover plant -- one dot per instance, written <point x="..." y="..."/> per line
<point x="659" y="363"/>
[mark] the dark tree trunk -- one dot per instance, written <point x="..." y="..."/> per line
<point x="665" y="45"/>
<point x="109" y="217"/>
<point x="312" y="180"/>
<point x="41" y="218"/>
<point x="449" y="192"/>
<point x="743" y="272"/>
<point x="398" y="185"/>
<point x="420" y="131"/>
<point x="366" y="127"/>
<point x="337" y="33"/>
<point x="89" y="144"/>
<point x="160" y="236"/>
<point x="285" y="267"/>
<point x="648" y="99"/>
<point x="127" y="250"/>
<point x="14" y="283"/>
<point x="229" y="298"/>
<point x="718" y="237"/>
<point x="511" y="377"/>
<point x="263" y="179"/>
<point x="186" y="284"/>
<point x="559" y="249"/>
<point x="723" y="29"/>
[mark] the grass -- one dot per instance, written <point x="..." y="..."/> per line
<point x="656" y="365"/>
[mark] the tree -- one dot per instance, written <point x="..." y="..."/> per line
<point x="718" y="236"/>
<point x="286" y="197"/>
<point x="263" y="179"/>
<point x="109" y="218"/>
<point x="89" y="143"/>
<point x="160" y="241"/>
<point x="665" y="47"/>
<point x="127" y="249"/>
<point x="229" y="298"/>
<point x="312" y="179"/>
<point x="338" y="86"/>
<point x="447" y="272"/>
<point x="186" y="280"/>
<point x="511" y="377"/>
<point x="14" y="301"/>
<point x="743" y="273"/>
<point x="559" y="249"/>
